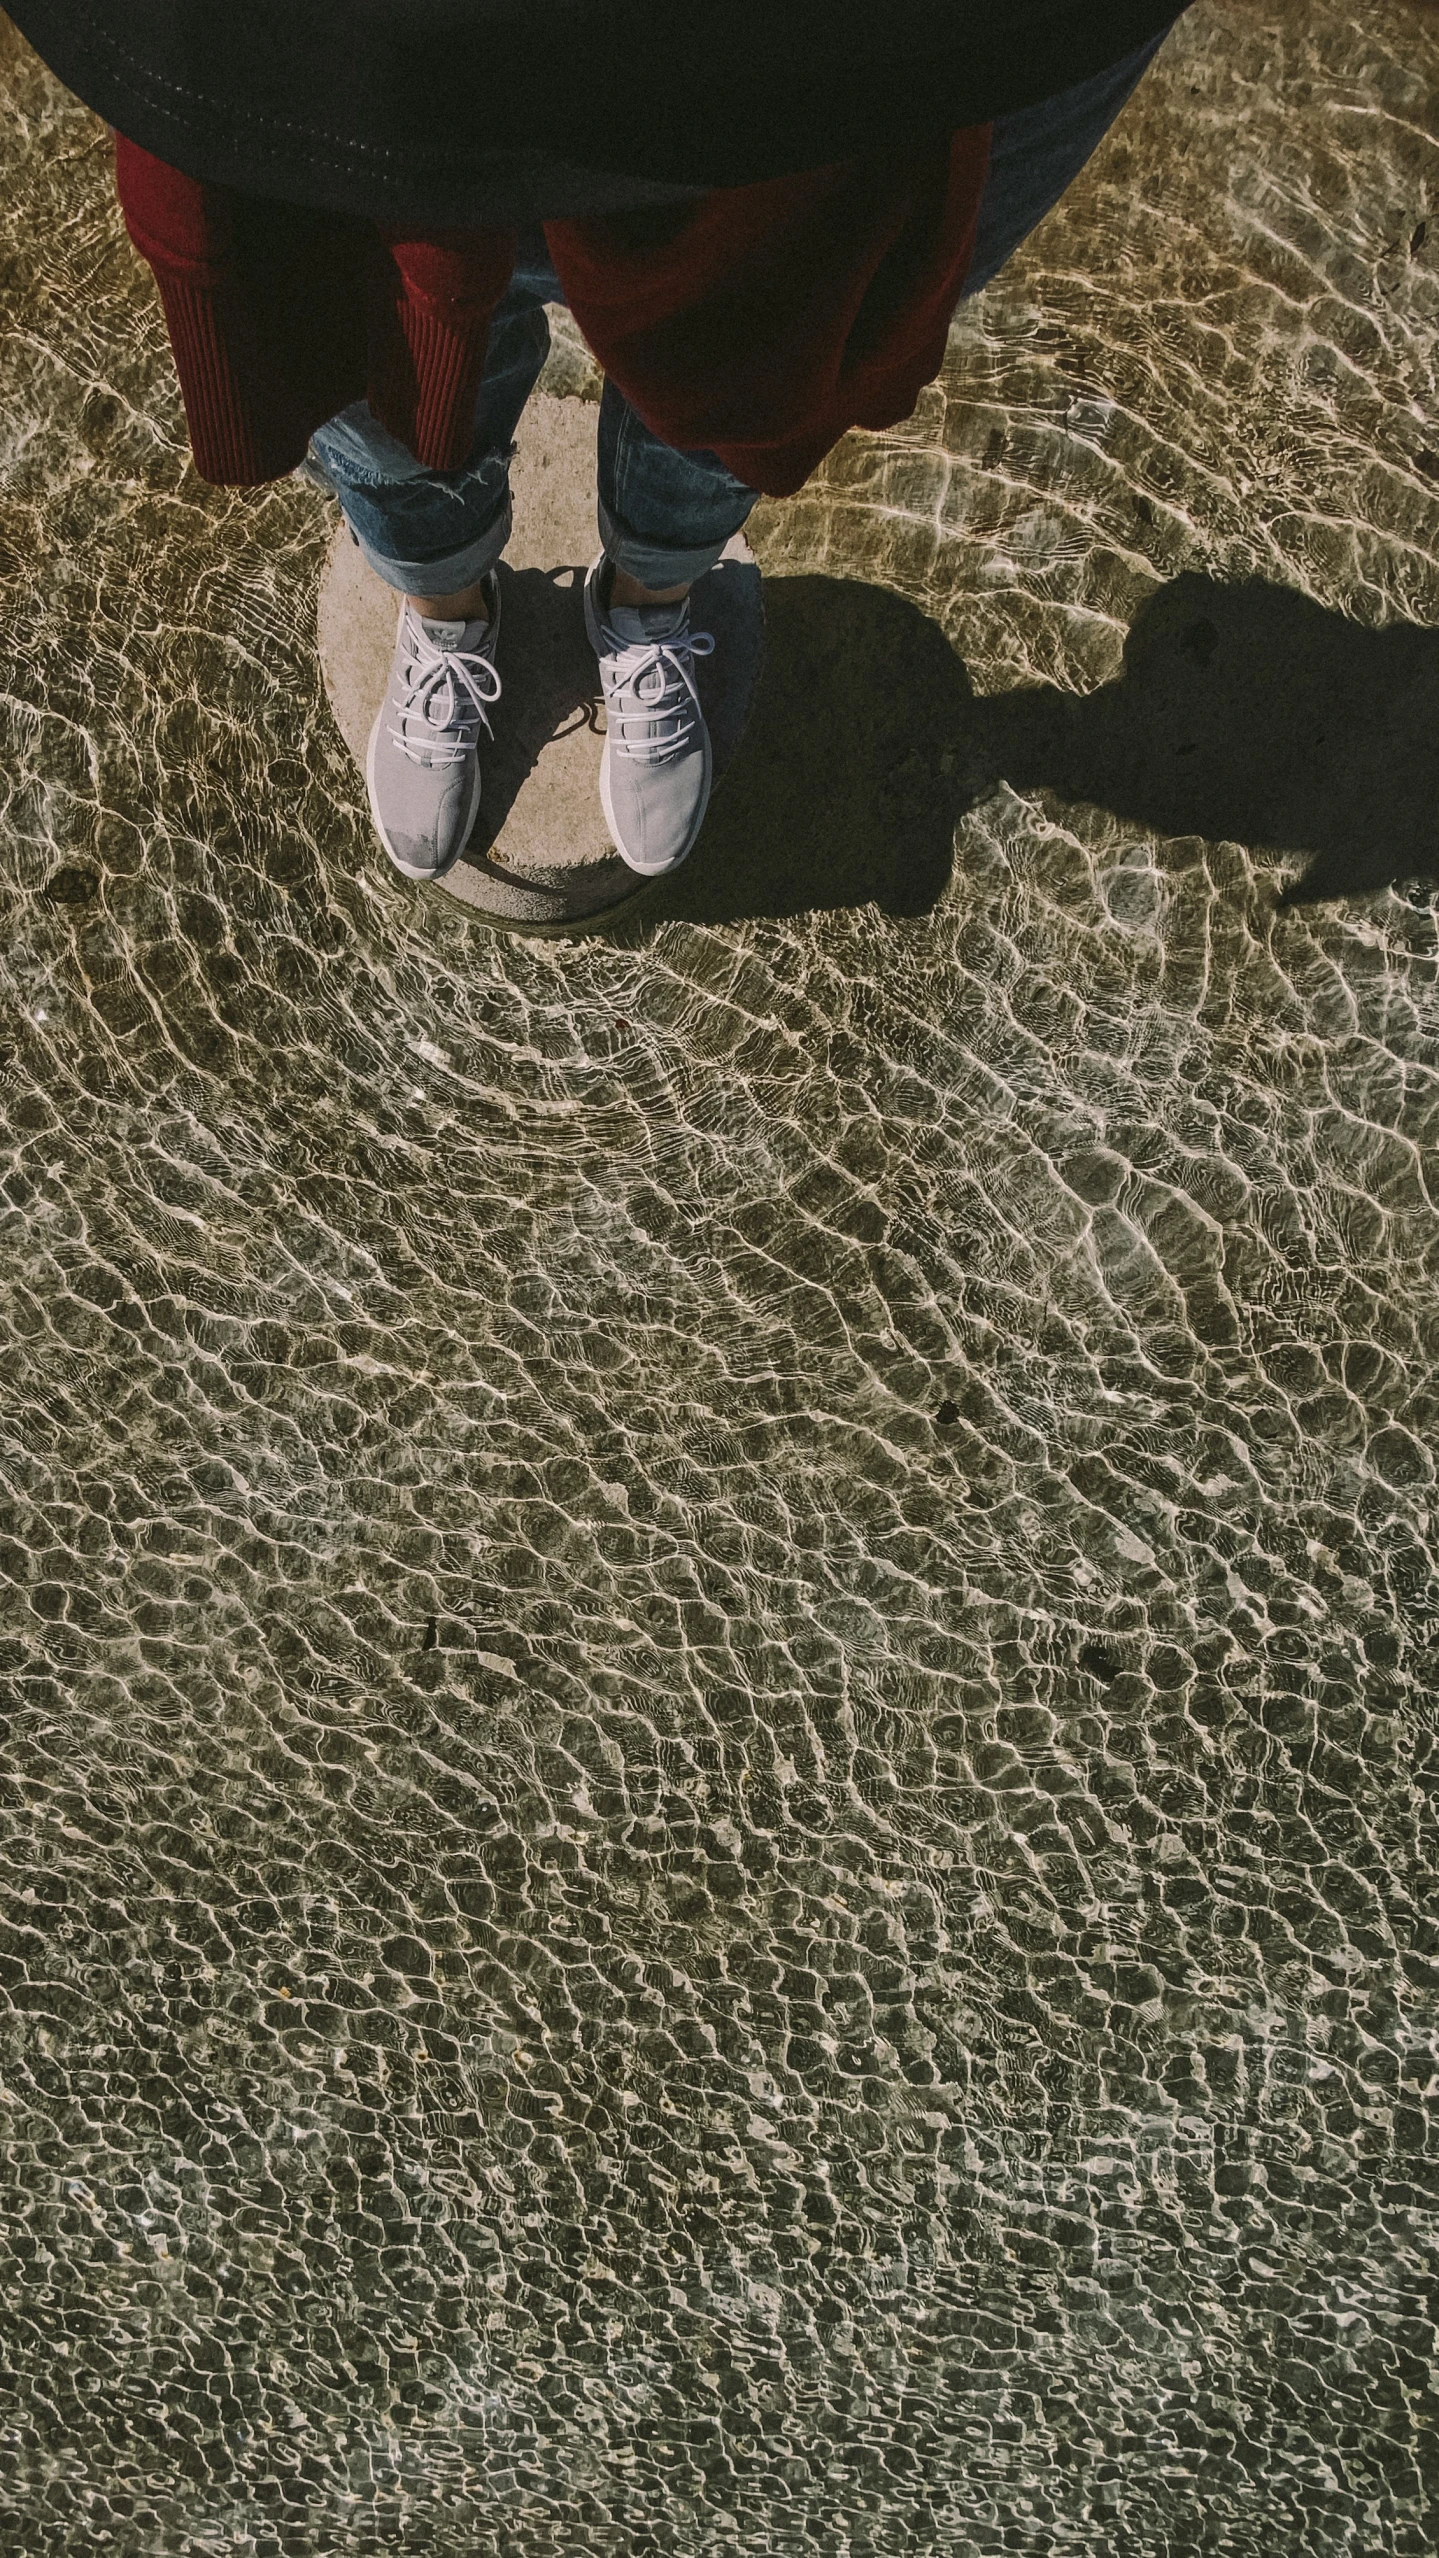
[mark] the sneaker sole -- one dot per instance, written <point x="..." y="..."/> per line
<point x="592" y="634"/>
<point x="406" y="869"/>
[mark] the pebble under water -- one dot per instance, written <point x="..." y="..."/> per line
<point x="718" y="1647"/>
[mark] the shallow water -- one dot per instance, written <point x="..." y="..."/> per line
<point x="719" y="1649"/>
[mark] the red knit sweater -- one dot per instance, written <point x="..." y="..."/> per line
<point x="762" y="322"/>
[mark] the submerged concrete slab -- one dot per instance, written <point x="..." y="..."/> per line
<point x="718" y="1642"/>
<point x="541" y="857"/>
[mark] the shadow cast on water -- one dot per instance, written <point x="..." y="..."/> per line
<point x="1253" y="715"/>
<point x="1243" y="713"/>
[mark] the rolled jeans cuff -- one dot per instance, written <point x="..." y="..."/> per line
<point x="445" y="576"/>
<point x="656" y="564"/>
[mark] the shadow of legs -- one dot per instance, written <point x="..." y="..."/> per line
<point x="853" y="771"/>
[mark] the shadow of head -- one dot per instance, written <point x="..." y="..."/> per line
<point x="1251" y="715"/>
<point x="853" y="771"/>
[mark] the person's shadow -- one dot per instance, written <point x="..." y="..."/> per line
<point x="1245" y="713"/>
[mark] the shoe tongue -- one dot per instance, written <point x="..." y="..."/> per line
<point x="648" y="621"/>
<point x="443" y="634"/>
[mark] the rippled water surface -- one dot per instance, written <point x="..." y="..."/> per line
<point x="718" y="1649"/>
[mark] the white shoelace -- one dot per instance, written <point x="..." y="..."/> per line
<point x="432" y="690"/>
<point x="627" y="669"/>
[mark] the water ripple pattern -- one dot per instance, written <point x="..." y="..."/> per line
<point x="718" y="1650"/>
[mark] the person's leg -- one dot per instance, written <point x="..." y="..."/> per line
<point x="436" y="535"/>
<point x="664" y="515"/>
<point x="1039" y="151"/>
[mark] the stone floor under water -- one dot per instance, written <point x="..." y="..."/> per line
<point x="718" y="1647"/>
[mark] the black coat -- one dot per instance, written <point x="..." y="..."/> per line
<point x="389" y="108"/>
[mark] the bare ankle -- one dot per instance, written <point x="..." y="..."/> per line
<point x="627" y="591"/>
<point x="467" y="604"/>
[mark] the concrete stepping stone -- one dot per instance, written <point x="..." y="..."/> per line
<point x="540" y="858"/>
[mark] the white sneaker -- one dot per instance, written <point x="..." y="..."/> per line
<point x="656" y="769"/>
<point x="423" y="766"/>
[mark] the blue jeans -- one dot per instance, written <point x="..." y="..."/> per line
<point x="664" y="515"/>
